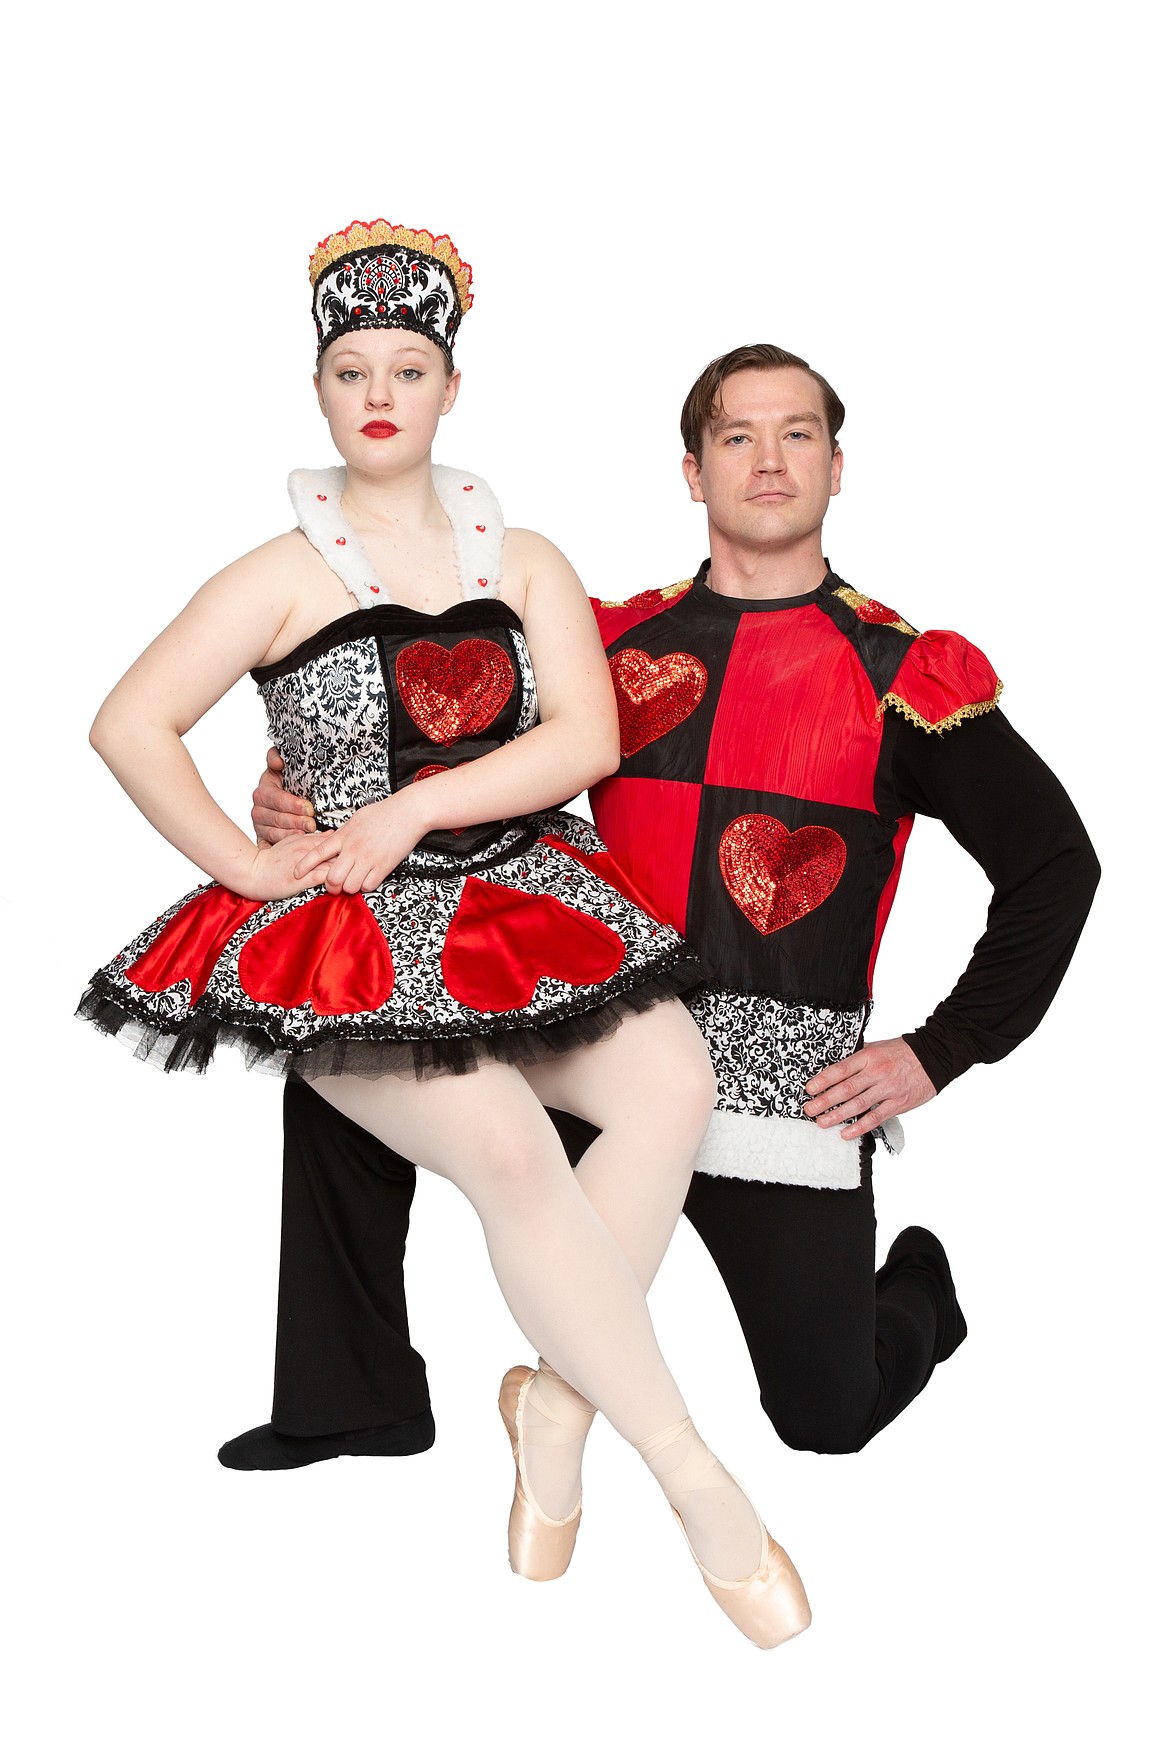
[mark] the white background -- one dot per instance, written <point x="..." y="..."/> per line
<point x="950" y="215"/>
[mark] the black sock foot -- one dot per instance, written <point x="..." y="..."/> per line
<point x="920" y="1250"/>
<point x="266" y="1448"/>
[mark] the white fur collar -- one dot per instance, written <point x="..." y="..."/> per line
<point x="476" y="520"/>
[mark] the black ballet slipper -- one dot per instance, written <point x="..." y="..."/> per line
<point x="267" y="1449"/>
<point x="919" y="1250"/>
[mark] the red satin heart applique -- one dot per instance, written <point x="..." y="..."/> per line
<point x="190" y="945"/>
<point x="457" y="693"/>
<point x="654" y="694"/>
<point x="329" y="951"/>
<point x="502" y="941"/>
<point x="608" y="869"/>
<point x="775" y="877"/>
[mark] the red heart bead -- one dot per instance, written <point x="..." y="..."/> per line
<point x="470" y="487"/>
<point x="322" y="496"/>
<point x="340" y="541"/>
<point x="481" y="528"/>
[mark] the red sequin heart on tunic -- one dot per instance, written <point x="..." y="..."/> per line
<point x="190" y="945"/>
<point x="456" y="693"/>
<point x="775" y="877"/>
<point x="654" y="695"/>
<point x="329" y="952"/>
<point x="501" y="941"/>
<point x="869" y="609"/>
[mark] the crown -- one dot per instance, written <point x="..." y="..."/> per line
<point x="382" y="276"/>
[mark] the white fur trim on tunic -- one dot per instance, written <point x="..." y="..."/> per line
<point x="467" y="500"/>
<point x="776" y="1148"/>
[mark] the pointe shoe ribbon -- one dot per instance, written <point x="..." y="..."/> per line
<point x="539" y="1547"/>
<point x="768" y="1607"/>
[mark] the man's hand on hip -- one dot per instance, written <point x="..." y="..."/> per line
<point x="276" y="813"/>
<point x="881" y="1080"/>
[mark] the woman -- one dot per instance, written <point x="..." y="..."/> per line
<point x="451" y="953"/>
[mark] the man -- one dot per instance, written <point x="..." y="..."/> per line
<point x="780" y="731"/>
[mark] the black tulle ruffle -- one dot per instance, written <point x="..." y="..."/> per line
<point x="191" y="1046"/>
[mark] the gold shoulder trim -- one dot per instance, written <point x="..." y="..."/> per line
<point x="642" y="599"/>
<point x="885" y="618"/>
<point x="973" y="711"/>
<point x="360" y="236"/>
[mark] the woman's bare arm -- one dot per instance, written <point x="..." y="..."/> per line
<point x="229" y="626"/>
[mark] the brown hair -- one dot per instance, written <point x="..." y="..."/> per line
<point x="706" y="399"/>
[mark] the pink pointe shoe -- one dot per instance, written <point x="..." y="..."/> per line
<point x="539" y="1547"/>
<point x="768" y="1607"/>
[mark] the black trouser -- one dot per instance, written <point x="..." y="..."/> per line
<point x="837" y="1354"/>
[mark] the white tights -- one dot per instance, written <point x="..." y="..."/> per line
<point x="573" y="1254"/>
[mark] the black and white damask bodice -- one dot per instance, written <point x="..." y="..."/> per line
<point x="388" y="695"/>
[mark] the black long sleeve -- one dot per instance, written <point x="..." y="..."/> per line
<point x="1011" y="813"/>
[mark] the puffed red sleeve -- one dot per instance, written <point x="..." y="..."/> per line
<point x="942" y="680"/>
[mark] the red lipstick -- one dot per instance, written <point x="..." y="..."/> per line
<point x="379" y="429"/>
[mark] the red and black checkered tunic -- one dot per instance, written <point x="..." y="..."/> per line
<point x="774" y="755"/>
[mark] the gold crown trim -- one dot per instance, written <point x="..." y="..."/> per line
<point x="380" y="233"/>
<point x="855" y="601"/>
<point x="974" y="711"/>
<point x="666" y="594"/>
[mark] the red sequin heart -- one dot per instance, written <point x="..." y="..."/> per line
<point x="869" y="609"/>
<point x="654" y="695"/>
<point x="502" y="941"/>
<point x="775" y="877"/>
<point x="457" y="693"/>
<point x="328" y="951"/>
<point x="190" y="945"/>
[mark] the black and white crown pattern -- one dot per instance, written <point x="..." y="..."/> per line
<point x="390" y="287"/>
